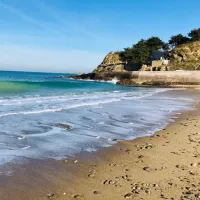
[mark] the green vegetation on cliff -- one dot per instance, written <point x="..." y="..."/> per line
<point x="140" y="52"/>
<point x="194" y="35"/>
<point x="177" y="40"/>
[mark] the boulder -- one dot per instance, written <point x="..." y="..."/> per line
<point x="63" y="126"/>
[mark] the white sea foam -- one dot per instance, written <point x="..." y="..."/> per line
<point x="59" y="103"/>
<point x="64" y="102"/>
<point x="113" y="81"/>
<point x="26" y="147"/>
<point x="97" y="119"/>
<point x="60" y="109"/>
<point x="101" y="123"/>
<point x="21" y="137"/>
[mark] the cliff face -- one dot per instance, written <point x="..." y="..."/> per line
<point x="111" y="63"/>
<point x="185" y="57"/>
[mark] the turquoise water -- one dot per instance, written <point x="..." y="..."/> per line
<point x="32" y="104"/>
<point x="45" y="83"/>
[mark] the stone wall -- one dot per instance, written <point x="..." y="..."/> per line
<point x="153" y="77"/>
<point x="169" y="77"/>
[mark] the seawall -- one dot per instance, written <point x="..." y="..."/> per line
<point x="153" y="78"/>
<point x="167" y="78"/>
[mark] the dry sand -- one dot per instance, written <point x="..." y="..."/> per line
<point x="163" y="166"/>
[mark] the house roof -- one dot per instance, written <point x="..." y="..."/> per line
<point x="156" y="55"/>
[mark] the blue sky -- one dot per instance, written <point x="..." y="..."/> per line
<point x="75" y="35"/>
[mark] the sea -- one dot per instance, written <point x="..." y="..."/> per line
<point x="36" y="108"/>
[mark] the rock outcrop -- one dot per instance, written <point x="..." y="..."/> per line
<point x="151" y="68"/>
<point x="185" y="57"/>
<point x="111" y="63"/>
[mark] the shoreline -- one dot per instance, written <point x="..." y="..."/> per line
<point x="165" y="165"/>
<point x="121" y="166"/>
<point x="115" y="81"/>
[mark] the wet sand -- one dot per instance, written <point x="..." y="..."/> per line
<point x="163" y="166"/>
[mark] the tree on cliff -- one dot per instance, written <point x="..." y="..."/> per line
<point x="140" y="52"/>
<point x="178" y="40"/>
<point x="155" y="44"/>
<point x="194" y="34"/>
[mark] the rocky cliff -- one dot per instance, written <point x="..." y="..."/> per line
<point x="185" y="57"/>
<point x="111" y="63"/>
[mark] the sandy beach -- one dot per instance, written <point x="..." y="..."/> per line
<point x="163" y="166"/>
